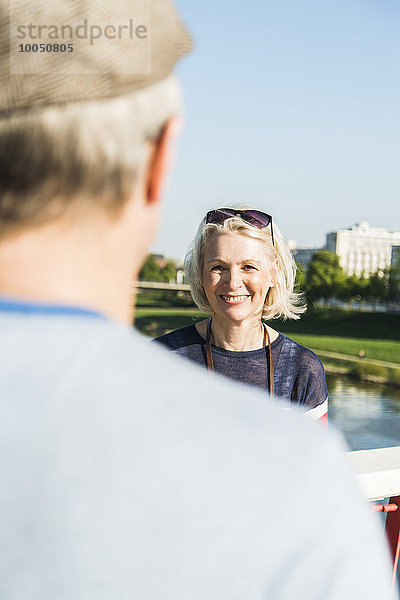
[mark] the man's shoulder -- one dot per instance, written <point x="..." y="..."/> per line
<point x="106" y="356"/>
<point x="104" y="361"/>
<point x="57" y="348"/>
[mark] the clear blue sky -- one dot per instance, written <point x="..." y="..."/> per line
<point x="293" y="106"/>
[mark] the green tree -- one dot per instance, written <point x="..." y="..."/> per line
<point x="357" y="287"/>
<point x="351" y="287"/>
<point x="152" y="271"/>
<point x="169" y="271"/>
<point x="394" y="279"/>
<point x="325" y="277"/>
<point x="378" y="286"/>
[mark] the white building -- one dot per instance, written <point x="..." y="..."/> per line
<point x="363" y="248"/>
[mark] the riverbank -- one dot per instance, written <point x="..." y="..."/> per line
<point x="364" y="346"/>
<point x="360" y="369"/>
<point x="376" y="336"/>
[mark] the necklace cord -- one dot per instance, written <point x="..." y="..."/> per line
<point x="266" y="344"/>
<point x="210" y="364"/>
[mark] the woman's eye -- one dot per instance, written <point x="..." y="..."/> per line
<point x="217" y="269"/>
<point x="249" y="268"/>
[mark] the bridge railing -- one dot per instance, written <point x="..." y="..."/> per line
<point x="161" y="285"/>
<point x="378" y="474"/>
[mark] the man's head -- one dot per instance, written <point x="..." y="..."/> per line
<point x="69" y="160"/>
<point x="85" y="135"/>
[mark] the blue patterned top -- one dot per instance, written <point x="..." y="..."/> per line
<point x="299" y="376"/>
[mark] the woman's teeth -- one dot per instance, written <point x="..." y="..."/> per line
<point x="233" y="299"/>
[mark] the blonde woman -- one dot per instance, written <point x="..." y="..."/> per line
<point x="241" y="272"/>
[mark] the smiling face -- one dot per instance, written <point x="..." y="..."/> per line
<point x="237" y="275"/>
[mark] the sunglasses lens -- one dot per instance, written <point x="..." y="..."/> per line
<point x="218" y="217"/>
<point x="256" y="218"/>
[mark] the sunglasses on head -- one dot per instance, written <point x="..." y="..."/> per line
<point x="256" y="218"/>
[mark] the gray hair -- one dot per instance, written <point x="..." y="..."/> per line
<point x="281" y="301"/>
<point x="79" y="156"/>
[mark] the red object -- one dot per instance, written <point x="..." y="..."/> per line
<point x="324" y="419"/>
<point x="384" y="507"/>
<point x="392" y="530"/>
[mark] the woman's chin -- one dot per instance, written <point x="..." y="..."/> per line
<point x="234" y="313"/>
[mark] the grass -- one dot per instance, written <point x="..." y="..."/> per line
<point x="339" y="322"/>
<point x="163" y="299"/>
<point x="386" y="350"/>
<point x="314" y="330"/>
<point x="376" y="334"/>
<point x="336" y="322"/>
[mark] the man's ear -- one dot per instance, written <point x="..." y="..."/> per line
<point x="161" y="155"/>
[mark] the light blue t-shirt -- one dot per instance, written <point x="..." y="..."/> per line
<point x="125" y="476"/>
<point x="299" y="376"/>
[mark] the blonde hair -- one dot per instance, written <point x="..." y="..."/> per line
<point x="80" y="156"/>
<point x="281" y="301"/>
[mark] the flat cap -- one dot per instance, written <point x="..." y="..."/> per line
<point x="72" y="51"/>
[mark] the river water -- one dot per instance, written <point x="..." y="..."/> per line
<point x="368" y="414"/>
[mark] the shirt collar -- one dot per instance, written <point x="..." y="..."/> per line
<point x="14" y="305"/>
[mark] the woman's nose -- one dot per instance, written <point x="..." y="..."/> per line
<point x="234" y="279"/>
